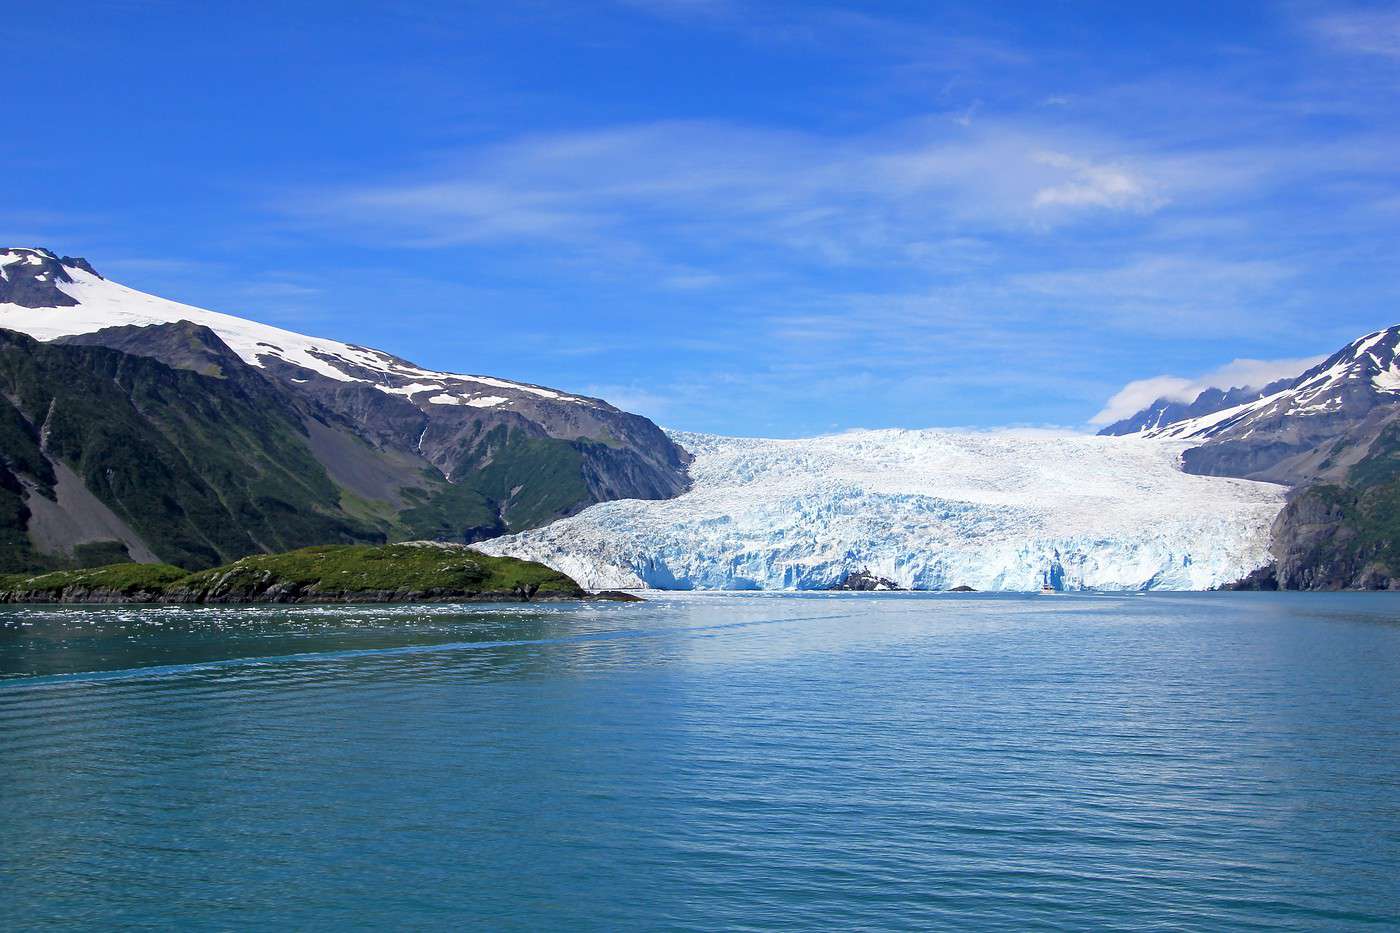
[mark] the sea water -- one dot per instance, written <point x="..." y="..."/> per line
<point x="706" y="761"/>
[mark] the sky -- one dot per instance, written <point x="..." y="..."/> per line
<point x="767" y="218"/>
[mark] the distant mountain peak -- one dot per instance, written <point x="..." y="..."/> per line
<point x="39" y="255"/>
<point x="1164" y="412"/>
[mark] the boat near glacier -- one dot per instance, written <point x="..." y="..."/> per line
<point x="929" y="510"/>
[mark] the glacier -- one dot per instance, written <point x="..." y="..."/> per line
<point x="928" y="509"/>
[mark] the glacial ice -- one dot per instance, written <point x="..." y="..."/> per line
<point x="930" y="509"/>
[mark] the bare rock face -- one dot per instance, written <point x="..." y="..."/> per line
<point x="181" y="345"/>
<point x="619" y="455"/>
<point x="866" y="582"/>
<point x="1324" y="540"/>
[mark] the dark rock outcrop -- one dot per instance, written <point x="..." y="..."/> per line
<point x="31" y="278"/>
<point x="866" y="582"/>
<point x="180" y="345"/>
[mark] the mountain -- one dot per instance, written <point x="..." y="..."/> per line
<point x="1164" y="411"/>
<point x="1311" y="428"/>
<point x="924" y="509"/>
<point x="133" y="458"/>
<point x="1341" y="535"/>
<point x="1333" y="434"/>
<point x="356" y="444"/>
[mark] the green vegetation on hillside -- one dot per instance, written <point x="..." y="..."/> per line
<point x="206" y="469"/>
<point x="122" y="579"/>
<point x="1334" y="536"/>
<point x="331" y="573"/>
<point x="205" y="459"/>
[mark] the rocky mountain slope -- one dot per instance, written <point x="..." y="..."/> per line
<point x="102" y="448"/>
<point x="1341" y="535"/>
<point x="925" y="510"/>
<point x="1333" y="433"/>
<point x="1308" y="429"/>
<point x="1164" y="411"/>
<point x="371" y="446"/>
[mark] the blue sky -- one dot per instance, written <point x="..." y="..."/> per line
<point x="750" y="218"/>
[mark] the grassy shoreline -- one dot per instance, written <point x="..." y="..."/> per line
<point x="420" y="571"/>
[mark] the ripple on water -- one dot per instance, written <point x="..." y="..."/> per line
<point x="1211" y="761"/>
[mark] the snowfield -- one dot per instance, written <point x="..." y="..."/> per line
<point x="928" y="509"/>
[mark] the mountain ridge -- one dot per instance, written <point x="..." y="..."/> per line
<point x="1163" y="411"/>
<point x="413" y="452"/>
<point x="1331" y="433"/>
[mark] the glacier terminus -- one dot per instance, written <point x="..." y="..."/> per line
<point x="927" y="509"/>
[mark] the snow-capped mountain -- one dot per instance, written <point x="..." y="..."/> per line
<point x="47" y="296"/>
<point x="412" y="451"/>
<point x="1286" y="435"/>
<point x="1165" y="411"/>
<point x="1354" y="379"/>
<point x="926" y="509"/>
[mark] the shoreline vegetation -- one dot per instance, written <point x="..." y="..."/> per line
<point x="413" y="572"/>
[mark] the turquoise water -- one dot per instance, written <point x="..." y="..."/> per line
<point x="1203" y="761"/>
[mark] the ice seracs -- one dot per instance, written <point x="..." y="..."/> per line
<point x="932" y="509"/>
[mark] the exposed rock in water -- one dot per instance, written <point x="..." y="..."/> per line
<point x="962" y="589"/>
<point x="618" y="596"/>
<point x="865" y="581"/>
<point x="1264" y="578"/>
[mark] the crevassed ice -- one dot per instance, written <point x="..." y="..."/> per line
<point x="928" y="509"/>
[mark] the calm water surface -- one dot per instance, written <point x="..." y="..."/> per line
<point x="1204" y="761"/>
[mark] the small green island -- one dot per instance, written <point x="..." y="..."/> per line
<point x="419" y="571"/>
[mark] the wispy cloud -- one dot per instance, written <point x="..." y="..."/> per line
<point x="1108" y="186"/>
<point x="1167" y="293"/>
<point x="688" y="184"/>
<point x="1362" y="31"/>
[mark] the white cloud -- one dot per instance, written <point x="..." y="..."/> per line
<point x="1240" y="373"/>
<point x="1090" y="185"/>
